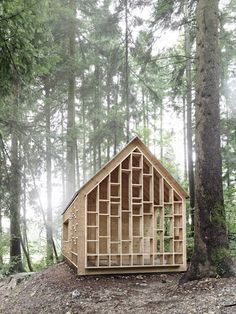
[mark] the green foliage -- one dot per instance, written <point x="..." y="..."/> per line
<point x="40" y="265"/>
<point x="5" y="270"/>
<point x="4" y="244"/>
<point x="21" y="33"/>
<point x="4" y="249"/>
<point x="144" y="133"/>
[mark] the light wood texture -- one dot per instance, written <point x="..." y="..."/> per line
<point x="131" y="219"/>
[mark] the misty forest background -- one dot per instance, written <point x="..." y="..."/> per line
<point x="78" y="80"/>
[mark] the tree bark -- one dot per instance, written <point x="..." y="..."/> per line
<point x="24" y="237"/>
<point x="161" y="131"/>
<point x="84" y="131"/>
<point x="77" y="166"/>
<point x="94" y="158"/>
<point x="49" y="236"/>
<point x="189" y="116"/>
<point x="63" y="159"/>
<point x="27" y="256"/>
<point x="97" y="118"/>
<point x="211" y="255"/>
<point x="127" y="72"/>
<point x="15" y="191"/>
<point x="71" y="138"/>
<point x="115" y="140"/>
<point x="184" y="139"/>
<point x="1" y="194"/>
<point x="108" y="99"/>
<point x="1" y="257"/>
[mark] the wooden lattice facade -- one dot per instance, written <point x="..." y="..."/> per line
<point x="130" y="217"/>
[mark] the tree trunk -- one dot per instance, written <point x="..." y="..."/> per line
<point x="94" y="158"/>
<point x="1" y="194"/>
<point x="211" y="254"/>
<point x="127" y="72"/>
<point x="27" y="256"/>
<point x="147" y="120"/>
<point x="98" y="112"/>
<point x="144" y="116"/>
<point x="155" y="129"/>
<point x="189" y="117"/>
<point x="161" y="131"/>
<point x="71" y="138"/>
<point x="226" y="93"/>
<point x="24" y="243"/>
<point x="1" y="257"/>
<point x="49" y="257"/>
<point x="184" y="139"/>
<point x="84" y="132"/>
<point x="77" y="167"/>
<point x="115" y="142"/>
<point x="63" y="159"/>
<point x="15" y="191"/>
<point x="108" y="98"/>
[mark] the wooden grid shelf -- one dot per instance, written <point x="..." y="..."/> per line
<point x="137" y="217"/>
<point x="128" y="218"/>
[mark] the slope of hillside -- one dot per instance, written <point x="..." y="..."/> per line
<point x="59" y="290"/>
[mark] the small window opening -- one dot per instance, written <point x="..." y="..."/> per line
<point x="66" y="230"/>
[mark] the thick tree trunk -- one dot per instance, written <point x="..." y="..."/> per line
<point x="49" y="236"/>
<point x="1" y="257"/>
<point x="1" y="194"/>
<point x="15" y="191"/>
<point x="211" y="255"/>
<point x="70" y="138"/>
<point x="189" y="117"/>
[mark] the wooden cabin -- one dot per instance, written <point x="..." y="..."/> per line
<point x="128" y="218"/>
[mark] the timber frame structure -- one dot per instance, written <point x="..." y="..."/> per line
<point x="128" y="218"/>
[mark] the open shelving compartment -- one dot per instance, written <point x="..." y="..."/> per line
<point x="134" y="218"/>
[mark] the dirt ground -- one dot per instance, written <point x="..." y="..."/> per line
<point x="58" y="290"/>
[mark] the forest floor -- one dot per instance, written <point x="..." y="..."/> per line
<point x="58" y="290"/>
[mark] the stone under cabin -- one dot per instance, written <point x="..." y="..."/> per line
<point x="128" y="218"/>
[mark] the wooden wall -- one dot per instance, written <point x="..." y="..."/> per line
<point x="135" y="219"/>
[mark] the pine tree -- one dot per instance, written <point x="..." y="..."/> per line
<point x="211" y="255"/>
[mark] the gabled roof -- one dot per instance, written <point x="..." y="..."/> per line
<point x="103" y="172"/>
